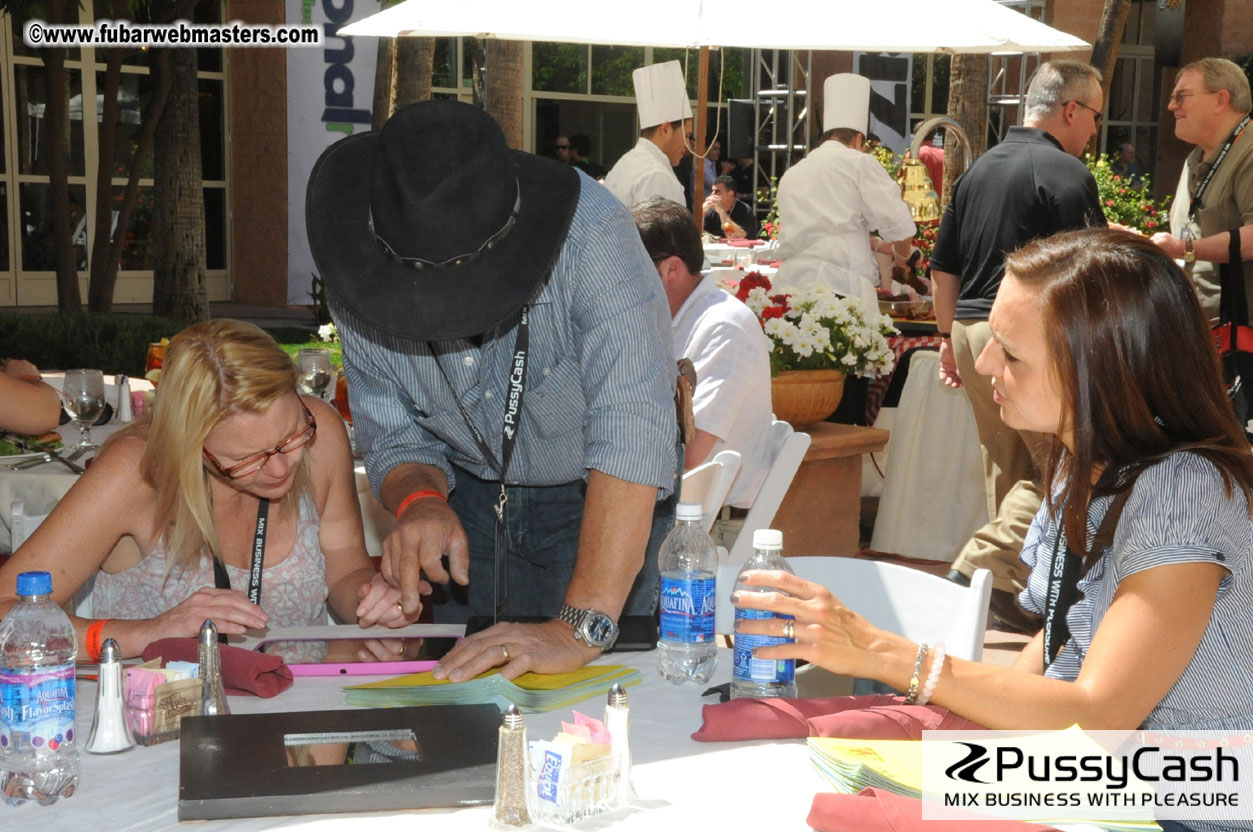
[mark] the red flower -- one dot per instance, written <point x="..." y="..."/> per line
<point x="1109" y="203"/>
<point x="751" y="281"/>
<point x="1150" y="224"/>
<point x="771" y="312"/>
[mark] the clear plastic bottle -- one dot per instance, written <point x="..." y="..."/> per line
<point x="688" y="562"/>
<point x="761" y="678"/>
<point x="38" y="747"/>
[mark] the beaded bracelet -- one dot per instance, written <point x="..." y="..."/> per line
<point x="415" y="496"/>
<point x="912" y="696"/>
<point x="933" y="678"/>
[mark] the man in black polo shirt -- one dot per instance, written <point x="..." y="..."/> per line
<point x="726" y="216"/>
<point x="1030" y="185"/>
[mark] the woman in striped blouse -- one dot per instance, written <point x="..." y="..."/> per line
<point x="1099" y="341"/>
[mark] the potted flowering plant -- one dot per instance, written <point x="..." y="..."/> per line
<point x="817" y="338"/>
<point x="1128" y="201"/>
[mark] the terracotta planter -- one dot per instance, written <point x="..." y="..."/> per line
<point x="803" y="397"/>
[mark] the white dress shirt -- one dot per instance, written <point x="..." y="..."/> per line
<point x="731" y="354"/>
<point x="828" y="205"/>
<point x="643" y="172"/>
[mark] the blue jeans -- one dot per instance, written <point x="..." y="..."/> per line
<point x="544" y="524"/>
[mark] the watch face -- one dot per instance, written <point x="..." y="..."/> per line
<point x="600" y="629"/>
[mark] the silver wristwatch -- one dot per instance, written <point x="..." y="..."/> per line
<point x="592" y="627"/>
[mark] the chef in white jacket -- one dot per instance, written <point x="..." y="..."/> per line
<point x="646" y="170"/>
<point x="830" y="202"/>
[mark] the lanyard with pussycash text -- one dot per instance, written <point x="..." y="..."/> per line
<point x="221" y="580"/>
<point x="1065" y="574"/>
<point x="508" y="438"/>
<point x="1222" y="154"/>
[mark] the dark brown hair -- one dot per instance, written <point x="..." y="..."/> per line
<point x="667" y="230"/>
<point x="1135" y="362"/>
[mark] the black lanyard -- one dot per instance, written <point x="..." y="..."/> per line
<point x="1222" y="154"/>
<point x="1065" y="574"/>
<point x="508" y="438"/>
<point x="221" y="580"/>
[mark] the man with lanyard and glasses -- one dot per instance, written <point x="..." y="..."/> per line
<point x="506" y="342"/>
<point x="1211" y="103"/>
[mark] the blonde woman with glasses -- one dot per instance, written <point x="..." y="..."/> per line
<point x="230" y="460"/>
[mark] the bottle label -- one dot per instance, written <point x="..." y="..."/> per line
<point x="38" y="703"/>
<point x="687" y="609"/>
<point x="749" y="669"/>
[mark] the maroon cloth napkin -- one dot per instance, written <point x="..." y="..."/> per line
<point x="876" y="810"/>
<point x="878" y="717"/>
<point x="244" y="672"/>
<point x="744" y="243"/>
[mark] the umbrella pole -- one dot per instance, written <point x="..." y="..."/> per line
<point x="698" y="164"/>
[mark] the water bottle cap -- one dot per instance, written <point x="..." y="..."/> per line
<point x="689" y="511"/>
<point x="767" y="539"/>
<point x="34" y="583"/>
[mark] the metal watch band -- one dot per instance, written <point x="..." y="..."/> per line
<point x="572" y="616"/>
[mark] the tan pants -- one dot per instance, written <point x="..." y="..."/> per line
<point x="1011" y="461"/>
<point x="726" y="529"/>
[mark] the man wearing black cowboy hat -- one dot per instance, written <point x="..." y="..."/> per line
<point x="501" y="322"/>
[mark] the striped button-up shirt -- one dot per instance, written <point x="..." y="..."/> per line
<point x="1178" y="512"/>
<point x="599" y="390"/>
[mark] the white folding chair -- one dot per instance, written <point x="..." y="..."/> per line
<point x="786" y="453"/>
<point x="909" y="602"/>
<point x="21" y="527"/>
<point x="709" y="483"/>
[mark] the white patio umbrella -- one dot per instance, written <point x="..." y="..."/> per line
<point x="971" y="26"/>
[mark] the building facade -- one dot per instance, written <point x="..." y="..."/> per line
<point x="572" y="89"/>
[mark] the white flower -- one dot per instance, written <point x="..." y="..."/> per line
<point x="327" y="332"/>
<point x="757" y="300"/>
<point x="849" y="359"/>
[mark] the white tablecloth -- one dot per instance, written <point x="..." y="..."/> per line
<point x="682" y="784"/>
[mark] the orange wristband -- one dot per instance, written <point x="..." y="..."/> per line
<point x="31" y="377"/>
<point x="93" y="638"/>
<point x="415" y="496"/>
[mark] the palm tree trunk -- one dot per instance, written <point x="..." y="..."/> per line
<point x="178" y="224"/>
<point x="1105" y="48"/>
<point x="502" y="96"/>
<point x="57" y="118"/>
<point x="402" y="75"/>
<point x="968" y="106"/>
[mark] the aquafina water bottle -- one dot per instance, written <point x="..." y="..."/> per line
<point x="688" y="562"/>
<point x="38" y="748"/>
<point x="761" y="678"/>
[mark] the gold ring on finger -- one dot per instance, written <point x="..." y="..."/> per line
<point x="400" y="606"/>
<point x="789" y="629"/>
<point x="505" y="650"/>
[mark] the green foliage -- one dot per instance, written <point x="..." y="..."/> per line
<point x="293" y="349"/>
<point x="1128" y="202"/>
<point x="559" y="67"/>
<point x="113" y="343"/>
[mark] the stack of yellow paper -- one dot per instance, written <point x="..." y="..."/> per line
<point x="851" y="765"/>
<point x="531" y="692"/>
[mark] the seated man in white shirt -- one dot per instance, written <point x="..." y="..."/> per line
<point x="724" y="341"/>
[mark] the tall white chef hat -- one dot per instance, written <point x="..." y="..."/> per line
<point x="661" y="94"/>
<point x="846" y="102"/>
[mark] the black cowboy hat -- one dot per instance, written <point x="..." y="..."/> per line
<point x="432" y="228"/>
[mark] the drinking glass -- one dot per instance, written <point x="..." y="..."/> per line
<point x="82" y="395"/>
<point x="316" y="373"/>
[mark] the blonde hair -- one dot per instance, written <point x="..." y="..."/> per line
<point x="211" y="370"/>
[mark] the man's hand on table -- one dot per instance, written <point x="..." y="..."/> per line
<point x="948" y="365"/>
<point x="413" y="552"/>
<point x="549" y="647"/>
